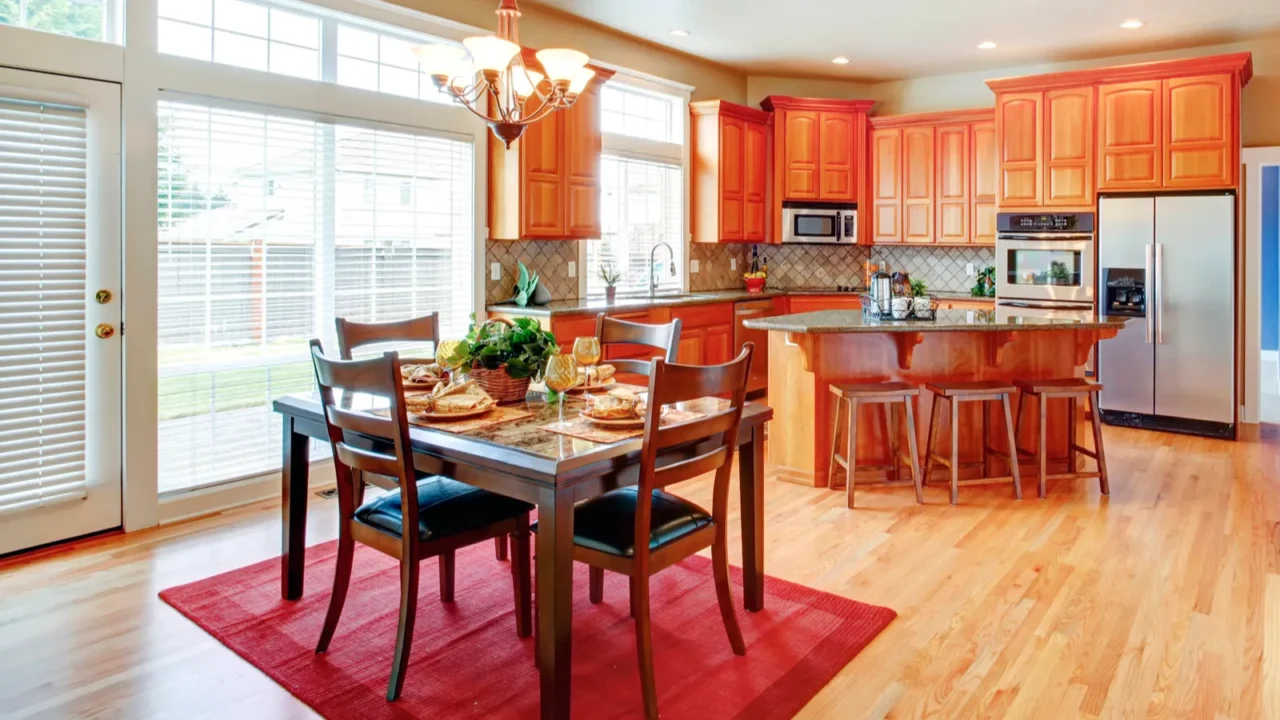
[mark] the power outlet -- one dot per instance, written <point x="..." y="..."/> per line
<point x="693" y="267"/>
<point x="733" y="263"/>
<point x="495" y="271"/>
<point x="968" y="269"/>
<point x="573" y="269"/>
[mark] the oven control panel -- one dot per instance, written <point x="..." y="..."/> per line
<point x="1082" y="222"/>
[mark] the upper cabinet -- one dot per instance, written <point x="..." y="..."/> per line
<point x="731" y="145"/>
<point x="546" y="186"/>
<point x="819" y="148"/>
<point x="1067" y="136"/>
<point x="933" y="178"/>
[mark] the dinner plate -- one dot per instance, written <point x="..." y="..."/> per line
<point x="628" y="423"/>
<point x="598" y="386"/>
<point x="420" y="386"/>
<point x="454" y="416"/>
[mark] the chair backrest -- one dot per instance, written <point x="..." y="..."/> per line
<point x="379" y="376"/>
<point x="353" y="335"/>
<point x="664" y="337"/>
<point x="670" y="383"/>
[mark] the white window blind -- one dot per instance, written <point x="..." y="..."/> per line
<point x="43" y="160"/>
<point x="268" y="231"/>
<point x="641" y="205"/>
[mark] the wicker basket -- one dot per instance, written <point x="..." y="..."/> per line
<point x="498" y="383"/>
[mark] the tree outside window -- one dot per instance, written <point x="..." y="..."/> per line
<point x="77" y="18"/>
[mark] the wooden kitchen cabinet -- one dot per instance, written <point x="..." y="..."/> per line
<point x="886" y="185"/>
<point x="819" y="148"/>
<point x="706" y="333"/>
<point x="730" y="189"/>
<point x="814" y="303"/>
<point x="1068" y="147"/>
<point x="917" y="184"/>
<point x="1201" y="132"/>
<point x="983" y="183"/>
<point x="800" y="156"/>
<point x="1129" y="129"/>
<point x="951" y="212"/>
<point x="837" y="178"/>
<point x="1018" y="133"/>
<point x="546" y="186"/>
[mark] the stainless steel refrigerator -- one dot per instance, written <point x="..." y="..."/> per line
<point x="1169" y="261"/>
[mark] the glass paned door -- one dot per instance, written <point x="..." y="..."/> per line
<point x="60" y="345"/>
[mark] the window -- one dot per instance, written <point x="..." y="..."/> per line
<point x="641" y="206"/>
<point x="383" y="63"/>
<point x="248" y="276"/>
<point x="636" y="112"/>
<point x="88" y="19"/>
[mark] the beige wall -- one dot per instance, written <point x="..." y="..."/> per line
<point x="760" y="86"/>
<point x="1260" y="124"/>
<point x="542" y="27"/>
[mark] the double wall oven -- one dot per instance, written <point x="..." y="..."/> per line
<point x="1044" y="261"/>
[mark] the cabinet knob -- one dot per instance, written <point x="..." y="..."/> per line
<point x="104" y="331"/>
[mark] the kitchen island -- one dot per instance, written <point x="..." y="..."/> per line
<point x="810" y="351"/>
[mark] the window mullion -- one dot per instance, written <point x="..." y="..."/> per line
<point x="327" y="267"/>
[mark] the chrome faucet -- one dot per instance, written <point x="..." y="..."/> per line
<point x="653" y="266"/>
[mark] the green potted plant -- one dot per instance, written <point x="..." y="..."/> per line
<point x="985" y="284"/>
<point x="921" y="303"/>
<point x="505" y="356"/>
<point x="528" y="289"/>
<point x="611" y="276"/>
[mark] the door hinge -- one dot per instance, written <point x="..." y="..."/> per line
<point x="121" y="327"/>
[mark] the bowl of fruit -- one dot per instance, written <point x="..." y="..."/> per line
<point x="755" y="281"/>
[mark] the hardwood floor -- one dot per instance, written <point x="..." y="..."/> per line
<point x="1161" y="601"/>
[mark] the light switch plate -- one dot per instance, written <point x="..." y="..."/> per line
<point x="573" y="269"/>
<point x="968" y="269"/>
<point x="693" y="267"/>
<point x="733" y="263"/>
<point x="495" y="271"/>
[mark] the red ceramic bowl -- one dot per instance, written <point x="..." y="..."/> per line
<point x="754" y="285"/>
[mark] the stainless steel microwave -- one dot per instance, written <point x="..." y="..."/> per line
<point x="819" y="223"/>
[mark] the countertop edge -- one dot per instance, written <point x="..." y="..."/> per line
<point x="710" y="297"/>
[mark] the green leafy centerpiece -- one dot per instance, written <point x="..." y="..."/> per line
<point x="505" y="356"/>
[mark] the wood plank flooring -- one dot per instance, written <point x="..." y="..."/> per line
<point x="1162" y="601"/>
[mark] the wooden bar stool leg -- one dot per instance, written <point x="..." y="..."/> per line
<point x="1071" y="435"/>
<point x="852" y="448"/>
<point x="1042" y="452"/>
<point x="1013" y="448"/>
<point x="955" y="452"/>
<point x="835" y="444"/>
<point x="911" y="447"/>
<point x="891" y="434"/>
<point x="1017" y="427"/>
<point x="986" y="438"/>
<point x="1104" y="483"/>
<point x="930" y="438"/>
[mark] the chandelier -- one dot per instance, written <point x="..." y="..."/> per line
<point x="494" y="82"/>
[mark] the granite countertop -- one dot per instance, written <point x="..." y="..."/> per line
<point x="853" y="321"/>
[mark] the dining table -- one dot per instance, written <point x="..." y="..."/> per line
<point x="552" y="471"/>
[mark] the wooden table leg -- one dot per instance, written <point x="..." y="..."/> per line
<point x="293" y="509"/>
<point x="554" y="576"/>
<point x="751" y="485"/>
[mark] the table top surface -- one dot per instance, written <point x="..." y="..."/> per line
<point x="999" y="320"/>
<point x="521" y="443"/>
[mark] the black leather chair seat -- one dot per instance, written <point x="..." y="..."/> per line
<point x="445" y="507"/>
<point x="607" y="523"/>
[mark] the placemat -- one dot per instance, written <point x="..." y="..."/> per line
<point x="584" y="429"/>
<point x="499" y="415"/>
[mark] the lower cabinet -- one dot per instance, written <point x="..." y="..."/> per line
<point x="814" y="303"/>
<point x="706" y="334"/>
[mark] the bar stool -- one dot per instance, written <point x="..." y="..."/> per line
<point x="888" y="394"/>
<point x="1070" y="389"/>
<point x="984" y="391"/>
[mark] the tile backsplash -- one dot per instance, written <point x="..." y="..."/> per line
<point x="942" y="268"/>
<point x="549" y="258"/>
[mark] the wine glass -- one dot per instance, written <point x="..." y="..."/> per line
<point x="586" y="350"/>
<point x="446" y="356"/>
<point x="561" y="376"/>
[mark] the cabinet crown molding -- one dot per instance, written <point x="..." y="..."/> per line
<point x="1239" y="64"/>
<point x="724" y="107"/>
<point x="947" y="117"/>
<point x="787" y="102"/>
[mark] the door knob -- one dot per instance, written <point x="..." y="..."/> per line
<point x="104" y="331"/>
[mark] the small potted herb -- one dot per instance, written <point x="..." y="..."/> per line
<point x="528" y="289"/>
<point x="611" y="276"/>
<point x="921" y="303"/>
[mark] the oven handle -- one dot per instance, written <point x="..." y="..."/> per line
<point x="1064" y="237"/>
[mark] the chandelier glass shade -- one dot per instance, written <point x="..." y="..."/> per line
<point x="489" y="77"/>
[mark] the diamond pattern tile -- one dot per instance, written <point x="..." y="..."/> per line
<point x="549" y="258"/>
<point x="941" y="268"/>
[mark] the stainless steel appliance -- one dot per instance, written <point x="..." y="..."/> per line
<point x="758" y="377"/>
<point x="1169" y="262"/>
<point x="819" y="223"/>
<point x="1045" y="258"/>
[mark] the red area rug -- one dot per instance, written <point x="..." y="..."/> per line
<point x="468" y="663"/>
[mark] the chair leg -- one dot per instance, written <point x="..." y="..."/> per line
<point x="596" y="590"/>
<point x="634" y="588"/>
<point x="724" y="592"/>
<point x="911" y="447"/>
<point x="447" y="565"/>
<point x="1104" y="482"/>
<point x="1042" y="449"/>
<point x="1013" y="448"/>
<point x="341" y="581"/>
<point x="500" y="548"/>
<point x="955" y="452"/>
<point x="851" y="452"/>
<point x="891" y="434"/>
<point x="929" y="442"/>
<point x="1071" y="435"/>
<point x="404" y="633"/>
<point x="644" y="646"/>
<point x="835" y="444"/>
<point x="521" y="578"/>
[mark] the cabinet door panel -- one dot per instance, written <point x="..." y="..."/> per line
<point x="755" y="181"/>
<point x="953" y="183"/>
<point x="732" y="148"/>
<point x="1199" y="132"/>
<point x="542" y="159"/>
<point x="983" y="184"/>
<point x="717" y="346"/>
<point x="1018" y="129"/>
<point x="886" y="185"/>
<point x="1129" y="130"/>
<point x="800" y="155"/>
<point x="917" y="184"/>
<point x="690" y="350"/>
<point x="835" y="148"/>
<point x="1068" y="147"/>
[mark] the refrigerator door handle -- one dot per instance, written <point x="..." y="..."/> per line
<point x="1159" y="293"/>
<point x="1149" y="256"/>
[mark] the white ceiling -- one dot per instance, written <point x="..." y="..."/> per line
<point x="894" y="39"/>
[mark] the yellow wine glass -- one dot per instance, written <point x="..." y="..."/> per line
<point x="586" y="350"/>
<point x="561" y="376"/>
<point x="447" y="356"/>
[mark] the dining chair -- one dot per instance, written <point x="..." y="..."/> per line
<point x="642" y="530"/>
<point x="441" y="515"/>
<point x="426" y="329"/>
<point x="664" y="337"/>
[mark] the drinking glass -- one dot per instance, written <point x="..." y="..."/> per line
<point x="445" y="352"/>
<point x="586" y="350"/>
<point x="561" y="376"/>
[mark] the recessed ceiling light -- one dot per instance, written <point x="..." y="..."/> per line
<point x="1131" y="24"/>
<point x="986" y="45"/>
<point x="680" y="33"/>
<point x="842" y="60"/>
